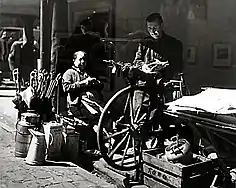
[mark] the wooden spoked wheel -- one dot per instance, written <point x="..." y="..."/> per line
<point x="121" y="125"/>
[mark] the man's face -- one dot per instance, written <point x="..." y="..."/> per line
<point x="80" y="60"/>
<point x="154" y="29"/>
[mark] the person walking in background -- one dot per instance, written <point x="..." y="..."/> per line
<point x="4" y="50"/>
<point x="14" y="58"/>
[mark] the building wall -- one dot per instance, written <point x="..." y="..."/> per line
<point x="218" y="27"/>
<point x="199" y="23"/>
<point x="80" y="9"/>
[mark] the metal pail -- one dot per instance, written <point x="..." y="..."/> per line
<point x="71" y="148"/>
<point x="37" y="149"/>
<point x="54" y="139"/>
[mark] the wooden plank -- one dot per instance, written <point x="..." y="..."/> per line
<point x="199" y="181"/>
<point x="162" y="175"/>
<point x="197" y="168"/>
<point x="153" y="183"/>
<point x="205" y="122"/>
<point x="204" y="165"/>
<point x="175" y="169"/>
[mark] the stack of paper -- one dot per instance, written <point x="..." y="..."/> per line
<point x="214" y="100"/>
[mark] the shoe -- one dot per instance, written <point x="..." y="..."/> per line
<point x="92" y="153"/>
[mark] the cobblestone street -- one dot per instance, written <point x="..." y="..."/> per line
<point x="14" y="172"/>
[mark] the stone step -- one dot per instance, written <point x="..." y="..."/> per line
<point x="117" y="177"/>
<point x="8" y="82"/>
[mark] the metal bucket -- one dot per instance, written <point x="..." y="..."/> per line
<point x="37" y="149"/>
<point x="54" y="139"/>
<point x="22" y="138"/>
<point x="30" y="117"/>
<point x="71" y="148"/>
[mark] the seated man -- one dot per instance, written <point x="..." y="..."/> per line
<point x="80" y="86"/>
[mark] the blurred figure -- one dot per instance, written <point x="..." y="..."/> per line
<point x="4" y="50"/>
<point x="36" y="50"/>
<point x="23" y="55"/>
<point x="127" y="50"/>
<point x="84" y="40"/>
<point x="104" y="50"/>
<point x="14" y="58"/>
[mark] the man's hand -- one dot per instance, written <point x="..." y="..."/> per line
<point x="89" y="94"/>
<point x="89" y="80"/>
<point x="146" y="69"/>
<point x="86" y="81"/>
<point x="154" y="66"/>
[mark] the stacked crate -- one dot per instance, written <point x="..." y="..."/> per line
<point x="159" y="173"/>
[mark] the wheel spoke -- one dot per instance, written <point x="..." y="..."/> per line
<point x="123" y="124"/>
<point x="118" y="145"/>
<point x="137" y="114"/>
<point x="139" y="108"/>
<point x="118" y="122"/>
<point x="110" y="142"/>
<point x="131" y="111"/>
<point x="142" y="117"/>
<point x="116" y="134"/>
<point x="126" y="103"/>
<point x="133" y="141"/>
<point x="125" y="151"/>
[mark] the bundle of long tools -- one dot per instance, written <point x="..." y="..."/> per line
<point x="43" y="86"/>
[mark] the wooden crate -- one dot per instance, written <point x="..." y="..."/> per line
<point x="158" y="173"/>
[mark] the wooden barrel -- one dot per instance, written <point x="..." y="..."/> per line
<point x="22" y="138"/>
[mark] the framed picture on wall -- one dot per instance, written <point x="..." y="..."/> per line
<point x="191" y="54"/>
<point x="222" y="55"/>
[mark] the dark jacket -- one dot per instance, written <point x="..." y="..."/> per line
<point x="167" y="48"/>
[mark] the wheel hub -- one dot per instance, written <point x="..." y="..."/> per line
<point x="134" y="132"/>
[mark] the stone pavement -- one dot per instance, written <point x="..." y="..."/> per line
<point x="14" y="172"/>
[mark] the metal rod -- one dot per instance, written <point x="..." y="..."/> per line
<point x="45" y="32"/>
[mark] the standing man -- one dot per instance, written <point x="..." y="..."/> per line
<point x="159" y="46"/>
